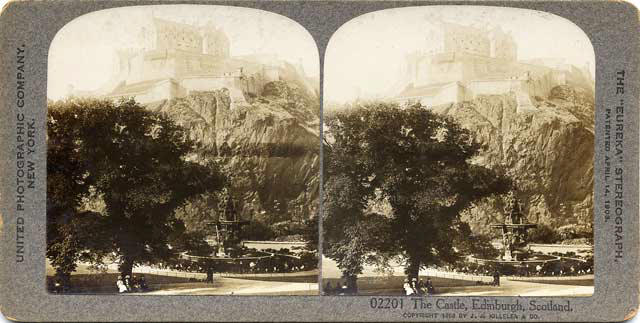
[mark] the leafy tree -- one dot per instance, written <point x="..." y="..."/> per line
<point x="197" y="211"/>
<point x="70" y="236"/>
<point x="136" y="164"/>
<point x="352" y="237"/>
<point x="416" y="161"/>
<point x="311" y="232"/>
<point x="543" y="233"/>
<point x="469" y="243"/>
<point x="256" y="230"/>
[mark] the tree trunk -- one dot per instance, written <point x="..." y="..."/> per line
<point x="64" y="278"/>
<point x="413" y="268"/>
<point x="126" y="266"/>
<point x="352" y="284"/>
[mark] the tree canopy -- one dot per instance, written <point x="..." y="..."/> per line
<point x="116" y="173"/>
<point x="415" y="161"/>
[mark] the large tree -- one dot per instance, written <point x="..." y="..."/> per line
<point x="116" y="174"/>
<point x="419" y="164"/>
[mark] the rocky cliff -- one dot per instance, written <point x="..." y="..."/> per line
<point x="547" y="151"/>
<point x="268" y="148"/>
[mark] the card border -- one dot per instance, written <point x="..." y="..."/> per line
<point x="612" y="27"/>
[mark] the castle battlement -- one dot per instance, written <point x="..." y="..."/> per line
<point x="166" y="35"/>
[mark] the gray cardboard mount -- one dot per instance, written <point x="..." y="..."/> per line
<point x="612" y="27"/>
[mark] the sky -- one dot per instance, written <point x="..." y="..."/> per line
<point x="365" y="56"/>
<point x="82" y="54"/>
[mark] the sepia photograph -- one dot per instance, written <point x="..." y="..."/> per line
<point x="458" y="154"/>
<point x="183" y="153"/>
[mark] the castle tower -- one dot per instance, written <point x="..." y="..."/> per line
<point x="465" y="39"/>
<point x="502" y="45"/>
<point x="148" y="39"/>
<point x="176" y="36"/>
<point x="214" y="41"/>
<point x="434" y="38"/>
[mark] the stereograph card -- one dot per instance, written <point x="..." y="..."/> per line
<point x="319" y="161"/>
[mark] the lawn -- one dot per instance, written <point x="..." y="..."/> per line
<point x="392" y="285"/>
<point x="105" y="283"/>
<point x="285" y="279"/>
<point x="575" y="282"/>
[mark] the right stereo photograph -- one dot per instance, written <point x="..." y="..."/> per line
<point x="458" y="154"/>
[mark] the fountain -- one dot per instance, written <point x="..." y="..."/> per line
<point x="229" y="254"/>
<point x="228" y="251"/>
<point x="514" y="231"/>
<point x="228" y="226"/>
<point x="514" y="240"/>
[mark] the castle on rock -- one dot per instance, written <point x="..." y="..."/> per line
<point x="175" y="59"/>
<point x="461" y="62"/>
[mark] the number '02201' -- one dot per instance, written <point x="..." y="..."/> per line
<point x="386" y="303"/>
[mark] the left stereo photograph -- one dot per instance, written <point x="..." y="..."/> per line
<point x="183" y="153"/>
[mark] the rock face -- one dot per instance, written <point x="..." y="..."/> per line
<point x="269" y="148"/>
<point x="548" y="151"/>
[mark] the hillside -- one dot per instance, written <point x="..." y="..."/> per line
<point x="269" y="148"/>
<point x="548" y="151"/>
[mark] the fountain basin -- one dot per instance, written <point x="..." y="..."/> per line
<point x="255" y="255"/>
<point x="531" y="260"/>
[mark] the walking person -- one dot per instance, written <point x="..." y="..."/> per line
<point x="209" y="275"/>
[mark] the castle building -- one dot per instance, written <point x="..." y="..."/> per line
<point x="175" y="59"/>
<point x="460" y="62"/>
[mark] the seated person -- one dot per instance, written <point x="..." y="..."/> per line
<point x="407" y="287"/>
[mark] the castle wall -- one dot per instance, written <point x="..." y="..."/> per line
<point x="163" y="90"/>
<point x="148" y="66"/>
<point x="154" y="69"/>
<point x="450" y="93"/>
<point x="189" y="64"/>
<point x="135" y="69"/>
<point x="457" y="67"/>
<point x="541" y="86"/>
<point x="154" y="65"/>
<point x="209" y="83"/>
<point x="490" y="87"/>
<point x="534" y="87"/>
<point x="271" y="74"/>
<point x="168" y="89"/>
<point x="443" y="72"/>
